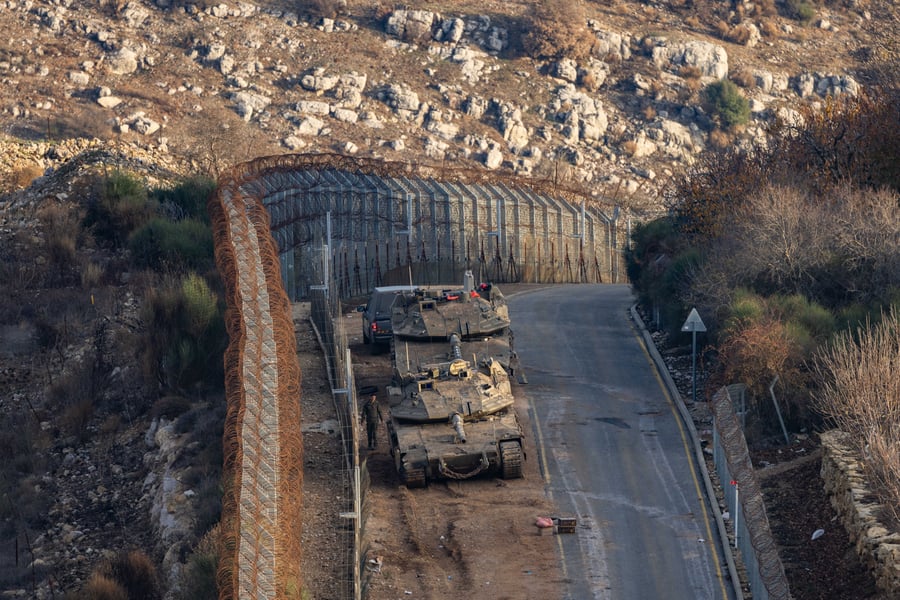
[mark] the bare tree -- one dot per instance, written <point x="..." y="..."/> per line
<point x="861" y="394"/>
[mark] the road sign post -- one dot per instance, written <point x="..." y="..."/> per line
<point x="694" y="324"/>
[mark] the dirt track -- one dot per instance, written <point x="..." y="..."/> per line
<point x="469" y="539"/>
<point x="451" y="540"/>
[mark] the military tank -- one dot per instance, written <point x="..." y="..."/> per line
<point x="451" y="403"/>
<point x="435" y="313"/>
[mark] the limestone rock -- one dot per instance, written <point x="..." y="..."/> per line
<point x="122" y="62"/>
<point x="710" y="59"/>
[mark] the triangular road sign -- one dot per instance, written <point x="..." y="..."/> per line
<point x="694" y="322"/>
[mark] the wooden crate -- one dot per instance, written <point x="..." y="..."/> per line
<point x="565" y="525"/>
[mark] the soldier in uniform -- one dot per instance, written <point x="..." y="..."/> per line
<point x="372" y="414"/>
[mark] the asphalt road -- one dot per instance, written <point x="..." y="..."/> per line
<point x="613" y="451"/>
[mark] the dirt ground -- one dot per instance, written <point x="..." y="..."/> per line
<point x="470" y="539"/>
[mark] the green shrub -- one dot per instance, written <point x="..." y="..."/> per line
<point x="801" y="10"/>
<point x="187" y="200"/>
<point x="746" y="307"/>
<point x="817" y="320"/>
<point x="165" y="246"/>
<point x="726" y="103"/>
<point x="199" y="578"/>
<point x="118" y="206"/>
<point x="184" y="340"/>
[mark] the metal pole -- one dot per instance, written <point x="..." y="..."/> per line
<point x="694" y="366"/>
<point x="787" y="438"/>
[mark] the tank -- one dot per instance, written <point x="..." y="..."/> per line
<point x="451" y="417"/>
<point x="435" y="313"/>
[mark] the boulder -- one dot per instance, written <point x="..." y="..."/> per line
<point x="566" y="69"/>
<point x="610" y="43"/>
<point x="411" y="24"/>
<point x="493" y="159"/>
<point x="451" y="31"/>
<point x="310" y="126"/>
<point x="311" y="107"/>
<point x="710" y="59"/>
<point x="122" y="62"/>
<point x="399" y="97"/>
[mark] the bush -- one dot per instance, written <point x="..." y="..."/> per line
<point x="118" y="206"/>
<point x="61" y="227"/>
<point x="22" y="176"/>
<point x="100" y="587"/>
<point x="726" y="103"/>
<point x="860" y="396"/>
<point x="184" y="340"/>
<point x="800" y="10"/>
<point x="199" y="579"/>
<point x="167" y="246"/>
<point x="187" y="200"/>
<point x="558" y="29"/>
<point x="136" y="573"/>
<point x="660" y="267"/>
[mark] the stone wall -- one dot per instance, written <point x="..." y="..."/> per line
<point x="844" y="481"/>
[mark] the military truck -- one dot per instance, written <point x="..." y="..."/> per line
<point x="451" y="402"/>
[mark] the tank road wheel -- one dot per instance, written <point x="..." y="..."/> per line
<point x="414" y="478"/>
<point x="511" y="459"/>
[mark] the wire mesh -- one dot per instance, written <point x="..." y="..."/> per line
<point x="379" y="217"/>
<point x="263" y="452"/>
<point x="745" y="501"/>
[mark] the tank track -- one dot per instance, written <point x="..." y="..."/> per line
<point x="414" y="478"/>
<point x="511" y="459"/>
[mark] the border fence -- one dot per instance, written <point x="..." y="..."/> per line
<point x="745" y="501"/>
<point x="380" y="223"/>
<point x="327" y="227"/>
<point x="262" y="443"/>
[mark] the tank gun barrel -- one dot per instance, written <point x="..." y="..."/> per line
<point x="457" y="421"/>
<point x="455" y="346"/>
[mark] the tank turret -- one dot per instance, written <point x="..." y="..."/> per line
<point x="435" y="314"/>
<point x="451" y="413"/>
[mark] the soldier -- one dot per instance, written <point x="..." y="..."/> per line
<point x="372" y="414"/>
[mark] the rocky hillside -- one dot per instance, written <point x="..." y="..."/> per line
<point x="219" y="83"/>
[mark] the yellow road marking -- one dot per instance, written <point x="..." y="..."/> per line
<point x="688" y="453"/>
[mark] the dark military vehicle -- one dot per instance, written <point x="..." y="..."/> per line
<point x="451" y="403"/>
<point x="434" y="313"/>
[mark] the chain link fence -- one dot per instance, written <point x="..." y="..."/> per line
<point x="327" y="318"/>
<point x="753" y="538"/>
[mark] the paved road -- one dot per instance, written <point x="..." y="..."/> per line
<point x="613" y="451"/>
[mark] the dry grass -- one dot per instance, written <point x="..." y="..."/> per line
<point x="91" y="274"/>
<point x="720" y="139"/>
<point x="135" y="573"/>
<point x="740" y="34"/>
<point x="744" y="77"/>
<point x="589" y="82"/>
<point x="690" y="72"/>
<point x="862" y="396"/>
<point x="22" y="176"/>
<point x="630" y="147"/>
<point x="100" y="587"/>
